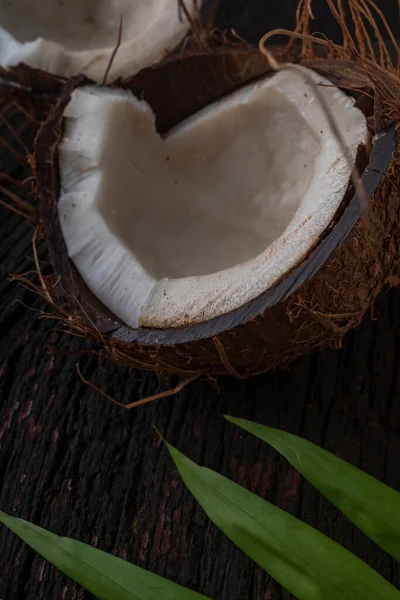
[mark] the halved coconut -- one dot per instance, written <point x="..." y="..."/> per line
<point x="177" y="230"/>
<point x="213" y="227"/>
<point x="69" y="37"/>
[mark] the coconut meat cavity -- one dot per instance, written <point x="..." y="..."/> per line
<point x="175" y="230"/>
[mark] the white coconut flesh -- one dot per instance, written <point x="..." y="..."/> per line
<point x="69" y="37"/>
<point x="175" y="230"/>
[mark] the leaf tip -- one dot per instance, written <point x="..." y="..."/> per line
<point x="158" y="432"/>
<point x="160" y="435"/>
<point x="234" y="420"/>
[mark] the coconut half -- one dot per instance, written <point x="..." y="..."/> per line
<point x="69" y="37"/>
<point x="176" y="230"/>
<point x="251" y="258"/>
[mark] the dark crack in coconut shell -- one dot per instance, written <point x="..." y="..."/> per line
<point x="314" y="305"/>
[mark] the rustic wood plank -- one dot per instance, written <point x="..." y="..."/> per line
<point x="73" y="462"/>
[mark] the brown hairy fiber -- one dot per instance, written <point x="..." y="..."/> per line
<point x="16" y="133"/>
<point x="321" y="304"/>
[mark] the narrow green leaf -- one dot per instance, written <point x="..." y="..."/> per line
<point x="102" y="574"/>
<point x="300" y="558"/>
<point x="371" y="505"/>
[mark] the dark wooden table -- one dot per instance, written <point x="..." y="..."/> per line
<point x="73" y="462"/>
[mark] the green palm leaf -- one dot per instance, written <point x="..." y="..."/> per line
<point x="371" y="505"/>
<point x="104" y="575"/>
<point x="303" y="560"/>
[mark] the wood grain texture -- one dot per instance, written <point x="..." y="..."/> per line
<point x="72" y="462"/>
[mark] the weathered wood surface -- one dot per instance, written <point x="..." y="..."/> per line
<point x="73" y="462"/>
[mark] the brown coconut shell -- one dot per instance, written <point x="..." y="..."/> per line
<point x="312" y="306"/>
